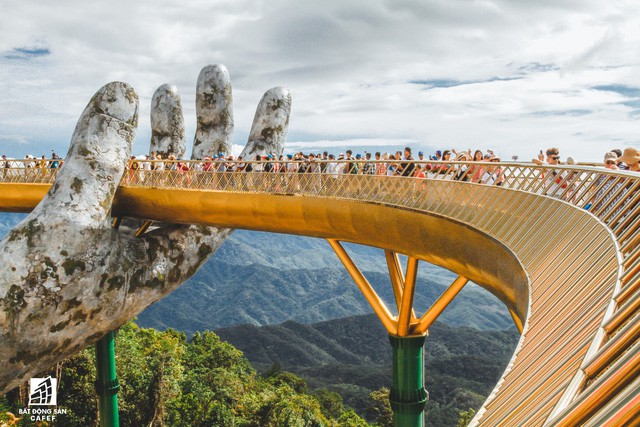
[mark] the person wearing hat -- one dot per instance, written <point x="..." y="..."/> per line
<point x="631" y="157"/>
<point x="268" y="167"/>
<point x="422" y="161"/>
<point x="610" y="190"/>
<point x="461" y="169"/>
<point x="291" y="166"/>
<point x="610" y="160"/>
<point x="55" y="162"/>
<point x="494" y="174"/>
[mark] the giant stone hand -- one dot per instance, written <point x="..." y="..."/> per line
<point x="67" y="277"/>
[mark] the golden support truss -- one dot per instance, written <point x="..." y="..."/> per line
<point x="405" y="324"/>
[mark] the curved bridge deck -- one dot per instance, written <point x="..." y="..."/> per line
<point x="561" y="253"/>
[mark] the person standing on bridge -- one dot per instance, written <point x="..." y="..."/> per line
<point x="406" y="168"/>
<point x="325" y="160"/>
<point x="422" y="161"/>
<point x="381" y="167"/>
<point x="369" y="168"/>
<point x="610" y="160"/>
<point x="493" y="175"/>
<point x="351" y="165"/>
<point x="631" y="157"/>
<point x="443" y="168"/>
<point x="554" y="180"/>
<point x="476" y="172"/>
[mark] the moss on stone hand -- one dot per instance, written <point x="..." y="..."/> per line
<point x="14" y="300"/>
<point x="70" y="265"/>
<point x="28" y="231"/>
<point x="76" y="185"/>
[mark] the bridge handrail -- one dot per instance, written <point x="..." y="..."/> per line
<point x="602" y="191"/>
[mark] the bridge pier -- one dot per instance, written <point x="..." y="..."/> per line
<point x="107" y="382"/>
<point x="408" y="395"/>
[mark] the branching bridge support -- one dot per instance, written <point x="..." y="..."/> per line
<point x="407" y="333"/>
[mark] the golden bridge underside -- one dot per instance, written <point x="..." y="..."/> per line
<point x="555" y="266"/>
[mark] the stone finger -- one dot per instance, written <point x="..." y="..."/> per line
<point x="214" y="111"/>
<point x="167" y="123"/>
<point x="270" y="124"/>
<point x="100" y="146"/>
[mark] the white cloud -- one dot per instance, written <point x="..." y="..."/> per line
<point x="348" y="67"/>
<point x="13" y="139"/>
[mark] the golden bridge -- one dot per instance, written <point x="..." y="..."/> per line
<point x="558" y="245"/>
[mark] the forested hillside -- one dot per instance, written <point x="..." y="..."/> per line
<point x="352" y="356"/>
<point x="166" y="380"/>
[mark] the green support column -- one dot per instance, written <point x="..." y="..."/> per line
<point x="107" y="382"/>
<point x="408" y="396"/>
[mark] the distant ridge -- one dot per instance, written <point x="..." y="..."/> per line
<point x="264" y="278"/>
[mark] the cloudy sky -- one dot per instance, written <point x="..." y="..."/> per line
<point x="511" y="75"/>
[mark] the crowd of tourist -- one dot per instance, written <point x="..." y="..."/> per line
<point x="615" y="159"/>
<point x="473" y="166"/>
<point x="30" y="161"/>
<point x="400" y="163"/>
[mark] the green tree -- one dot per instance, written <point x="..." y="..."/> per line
<point x="76" y="391"/>
<point x="466" y="417"/>
<point x="331" y="403"/>
<point x="167" y="380"/>
<point x="76" y="388"/>
<point x="296" y="383"/>
<point x="216" y="377"/>
<point x="351" y="419"/>
<point x="380" y="408"/>
<point x="282" y="406"/>
<point x="149" y="370"/>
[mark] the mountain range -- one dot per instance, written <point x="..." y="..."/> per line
<point x="265" y="278"/>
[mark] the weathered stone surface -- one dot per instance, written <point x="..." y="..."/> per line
<point x="67" y="276"/>
<point x="214" y="110"/>
<point x="167" y="122"/>
<point x="270" y="124"/>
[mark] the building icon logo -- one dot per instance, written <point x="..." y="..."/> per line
<point x="42" y="391"/>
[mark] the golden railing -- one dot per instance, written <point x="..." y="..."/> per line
<point x="574" y="229"/>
